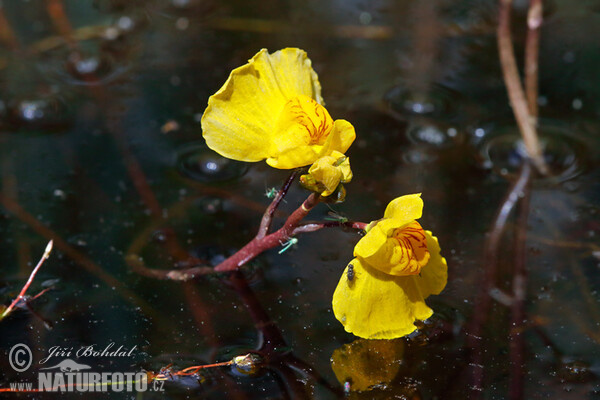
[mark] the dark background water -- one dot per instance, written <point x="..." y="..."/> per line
<point x="103" y="153"/>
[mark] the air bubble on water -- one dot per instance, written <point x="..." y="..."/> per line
<point x="417" y="156"/>
<point x="125" y="23"/>
<point x="202" y="164"/>
<point x="365" y="18"/>
<point x="182" y="23"/>
<point x="427" y="134"/>
<point x="60" y="194"/>
<point x="503" y="150"/>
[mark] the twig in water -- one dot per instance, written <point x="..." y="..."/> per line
<point x="515" y="89"/>
<point x="29" y="281"/>
<point x="532" y="49"/>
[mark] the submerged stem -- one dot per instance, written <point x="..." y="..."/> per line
<point x="483" y="303"/>
<point x="517" y="346"/>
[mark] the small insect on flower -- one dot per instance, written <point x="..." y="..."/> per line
<point x="288" y="244"/>
<point x="350" y="273"/>
<point x="335" y="217"/>
<point x="271" y="193"/>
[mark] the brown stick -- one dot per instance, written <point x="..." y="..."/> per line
<point x="532" y="49"/>
<point x="515" y="89"/>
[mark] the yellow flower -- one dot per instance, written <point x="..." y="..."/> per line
<point x="397" y="265"/>
<point x="271" y="108"/>
<point x="327" y="173"/>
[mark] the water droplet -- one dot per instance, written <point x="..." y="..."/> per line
<point x="575" y="371"/>
<point x="365" y="18"/>
<point x="204" y="165"/>
<point x="438" y="101"/>
<point x="59" y="194"/>
<point x="159" y="236"/>
<point x="35" y="113"/>
<point x="503" y="150"/>
<point x="417" y="156"/>
<point x="428" y="134"/>
<point x="93" y="64"/>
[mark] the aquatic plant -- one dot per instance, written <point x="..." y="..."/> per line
<point x="271" y="108"/>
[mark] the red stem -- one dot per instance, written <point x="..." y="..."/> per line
<point x="315" y="226"/>
<point x="277" y="238"/>
<point x="29" y="281"/>
<point x="265" y="223"/>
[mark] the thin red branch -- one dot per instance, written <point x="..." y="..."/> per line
<point x="29" y="281"/>
<point x="277" y="238"/>
<point x="80" y="258"/>
<point x="265" y="223"/>
<point x="315" y="226"/>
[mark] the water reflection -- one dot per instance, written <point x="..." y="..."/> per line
<point x="503" y="151"/>
<point x="198" y="162"/>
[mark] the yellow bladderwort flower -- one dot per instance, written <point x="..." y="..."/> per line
<point x="397" y="265"/>
<point x="271" y="108"/>
<point x="325" y="175"/>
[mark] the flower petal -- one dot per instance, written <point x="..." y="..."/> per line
<point x="240" y="119"/>
<point x="374" y="305"/>
<point x="370" y="244"/>
<point x="403" y="253"/>
<point x="341" y="137"/>
<point x="301" y="122"/>
<point x="405" y="209"/>
<point x="291" y="70"/>
<point x="435" y="274"/>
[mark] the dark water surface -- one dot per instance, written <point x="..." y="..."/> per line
<point x="101" y="150"/>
